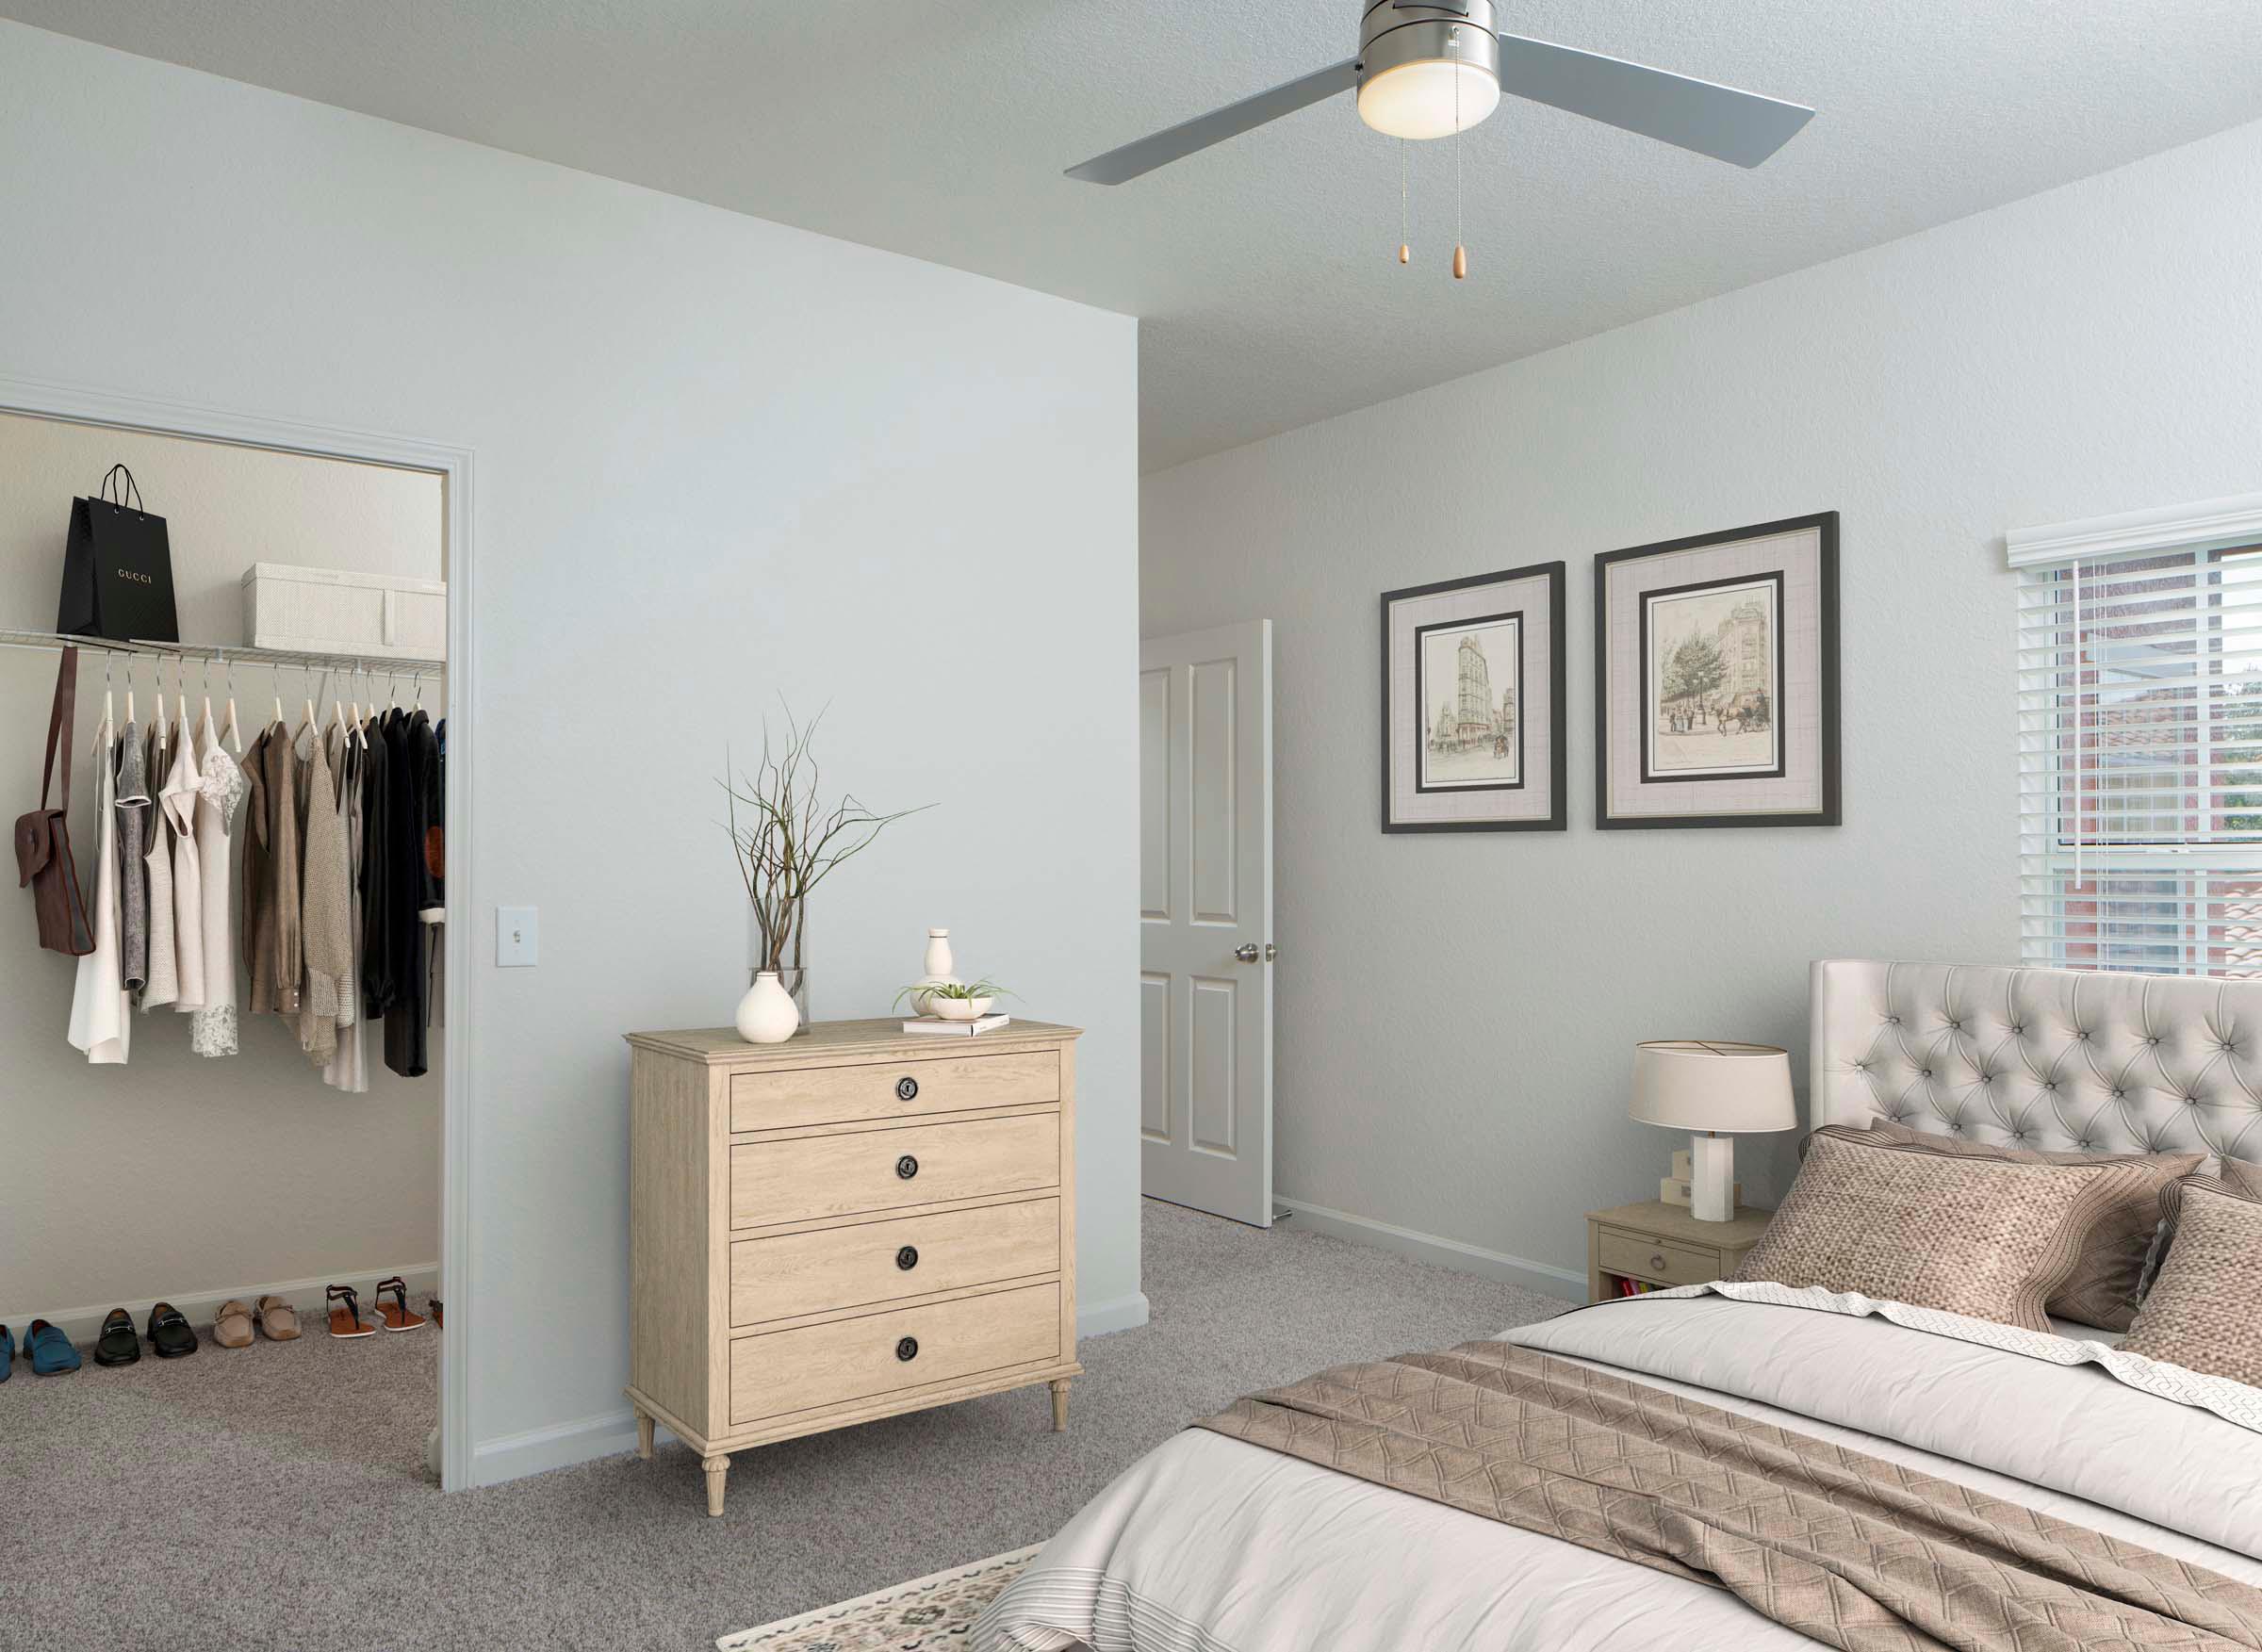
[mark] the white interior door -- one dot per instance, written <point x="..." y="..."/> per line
<point x="1206" y="919"/>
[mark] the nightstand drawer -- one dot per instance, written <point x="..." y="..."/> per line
<point x="879" y="1261"/>
<point x="1653" y="1259"/>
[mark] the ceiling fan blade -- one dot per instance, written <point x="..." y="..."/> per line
<point x="1122" y="165"/>
<point x="1718" y="121"/>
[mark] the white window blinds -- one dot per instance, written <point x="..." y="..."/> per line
<point x="2141" y="759"/>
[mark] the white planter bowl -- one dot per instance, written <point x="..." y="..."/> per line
<point x="959" y="1008"/>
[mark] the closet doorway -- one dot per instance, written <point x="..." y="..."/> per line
<point x="175" y="1168"/>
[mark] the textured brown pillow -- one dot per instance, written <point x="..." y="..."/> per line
<point x="1991" y="1239"/>
<point x="2205" y="1310"/>
<point x="2243" y="1177"/>
<point x="2102" y="1289"/>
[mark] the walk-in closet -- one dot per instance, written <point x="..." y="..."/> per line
<point x="221" y="985"/>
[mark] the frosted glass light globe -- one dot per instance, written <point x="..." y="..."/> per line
<point x="1416" y="100"/>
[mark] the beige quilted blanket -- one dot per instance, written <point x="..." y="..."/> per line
<point x="1846" y="1548"/>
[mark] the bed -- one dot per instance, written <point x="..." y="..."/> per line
<point x="1213" y="1544"/>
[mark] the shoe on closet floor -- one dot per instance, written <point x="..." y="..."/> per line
<point x="49" y="1351"/>
<point x="278" y="1318"/>
<point x="345" y="1313"/>
<point x="170" y="1336"/>
<point x="7" y="1352"/>
<point x="232" y="1326"/>
<point x="116" y="1345"/>
<point x="395" y="1315"/>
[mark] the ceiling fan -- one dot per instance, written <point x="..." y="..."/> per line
<point x="1433" y="68"/>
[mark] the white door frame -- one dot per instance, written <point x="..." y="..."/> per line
<point x="96" y="405"/>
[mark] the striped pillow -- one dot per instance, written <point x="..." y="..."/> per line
<point x="2102" y="1289"/>
<point x="2205" y="1310"/>
<point x="1990" y="1238"/>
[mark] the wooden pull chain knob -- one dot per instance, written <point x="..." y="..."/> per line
<point x="1460" y="262"/>
<point x="1405" y="253"/>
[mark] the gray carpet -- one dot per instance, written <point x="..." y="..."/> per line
<point x="276" y="1496"/>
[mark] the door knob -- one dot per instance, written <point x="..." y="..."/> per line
<point x="1248" y="951"/>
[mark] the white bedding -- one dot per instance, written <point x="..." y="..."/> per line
<point x="1209" y="1542"/>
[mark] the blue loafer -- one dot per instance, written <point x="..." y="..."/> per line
<point x="49" y="1349"/>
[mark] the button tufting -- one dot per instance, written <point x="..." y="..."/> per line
<point x="2120" y="1095"/>
<point x="1927" y="1072"/>
<point x="2153" y="1040"/>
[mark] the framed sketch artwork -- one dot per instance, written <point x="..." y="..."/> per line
<point x="1717" y="678"/>
<point x="1473" y="704"/>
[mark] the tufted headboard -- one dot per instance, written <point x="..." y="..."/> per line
<point x="2054" y="1060"/>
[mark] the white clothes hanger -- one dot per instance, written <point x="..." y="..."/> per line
<point x="235" y="733"/>
<point x="109" y="706"/>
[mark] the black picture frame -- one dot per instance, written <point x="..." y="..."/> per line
<point x="1558" y="816"/>
<point x="1824" y="525"/>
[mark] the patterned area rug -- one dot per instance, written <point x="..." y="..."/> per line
<point x="918" y="1616"/>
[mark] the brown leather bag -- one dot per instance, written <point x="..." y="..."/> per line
<point x="43" y="836"/>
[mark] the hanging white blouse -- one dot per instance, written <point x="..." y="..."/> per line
<point x="101" y="1021"/>
<point x="219" y="794"/>
<point x="178" y="799"/>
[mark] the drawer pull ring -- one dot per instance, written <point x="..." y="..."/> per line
<point x="907" y="1258"/>
<point x="906" y="1089"/>
<point x="908" y="1348"/>
<point x="906" y="1166"/>
<point x="1657" y="1260"/>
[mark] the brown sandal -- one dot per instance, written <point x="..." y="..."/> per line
<point x="277" y="1318"/>
<point x="232" y="1327"/>
<point x="395" y="1316"/>
<point x="346" y="1321"/>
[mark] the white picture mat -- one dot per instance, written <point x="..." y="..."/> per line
<point x="1535" y="703"/>
<point x="1799" y="789"/>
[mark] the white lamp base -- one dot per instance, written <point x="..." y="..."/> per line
<point x="1713" y="1178"/>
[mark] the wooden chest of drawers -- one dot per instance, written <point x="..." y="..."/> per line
<point x="844" y="1226"/>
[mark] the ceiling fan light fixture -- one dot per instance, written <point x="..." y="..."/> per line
<point x="1430" y="98"/>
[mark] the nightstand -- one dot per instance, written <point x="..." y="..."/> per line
<point x="1663" y="1244"/>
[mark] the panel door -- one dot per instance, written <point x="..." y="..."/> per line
<point x="1205" y="920"/>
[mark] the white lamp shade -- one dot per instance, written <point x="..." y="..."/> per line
<point x="1706" y="1083"/>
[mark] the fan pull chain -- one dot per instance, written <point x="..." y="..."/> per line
<point x="1460" y="249"/>
<point x="1405" y="243"/>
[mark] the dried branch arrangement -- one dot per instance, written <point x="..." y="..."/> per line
<point x="793" y="841"/>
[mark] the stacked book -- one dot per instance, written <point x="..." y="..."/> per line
<point x="954" y="1029"/>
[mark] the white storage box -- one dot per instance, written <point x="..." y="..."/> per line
<point x="329" y="610"/>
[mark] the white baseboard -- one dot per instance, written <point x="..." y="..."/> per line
<point x="1536" y="1276"/>
<point x="560" y="1445"/>
<point x="81" y="1325"/>
<point x="1122" y="1313"/>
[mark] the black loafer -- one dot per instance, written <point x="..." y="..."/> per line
<point x="116" y="1345"/>
<point x="169" y="1333"/>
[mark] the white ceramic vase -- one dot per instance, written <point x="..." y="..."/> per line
<point x="767" y="1014"/>
<point x="939" y="965"/>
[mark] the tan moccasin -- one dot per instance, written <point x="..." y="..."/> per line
<point x="232" y="1328"/>
<point x="278" y="1318"/>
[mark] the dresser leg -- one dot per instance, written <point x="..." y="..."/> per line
<point x="716" y="1467"/>
<point x="1060" y="1387"/>
<point x="643" y="1435"/>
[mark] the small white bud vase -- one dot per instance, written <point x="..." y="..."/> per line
<point x="767" y="1014"/>
<point x="939" y="965"/>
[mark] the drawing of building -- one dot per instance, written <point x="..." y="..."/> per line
<point x="1741" y="639"/>
<point x="1476" y="694"/>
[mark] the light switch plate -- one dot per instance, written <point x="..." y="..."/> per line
<point x="517" y="936"/>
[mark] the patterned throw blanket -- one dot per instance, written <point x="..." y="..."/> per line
<point x="1843" y="1547"/>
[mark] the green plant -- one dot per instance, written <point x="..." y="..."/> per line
<point x="984" y="987"/>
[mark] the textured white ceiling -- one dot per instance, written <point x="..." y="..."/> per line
<point x="1265" y="270"/>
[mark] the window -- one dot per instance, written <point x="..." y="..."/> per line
<point x="2139" y="670"/>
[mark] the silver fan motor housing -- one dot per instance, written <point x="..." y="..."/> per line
<point x="1393" y="33"/>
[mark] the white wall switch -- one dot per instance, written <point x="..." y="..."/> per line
<point x="517" y="936"/>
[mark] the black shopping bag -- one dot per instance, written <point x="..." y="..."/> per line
<point x="117" y="568"/>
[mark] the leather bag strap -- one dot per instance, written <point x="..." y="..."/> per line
<point x="59" y="725"/>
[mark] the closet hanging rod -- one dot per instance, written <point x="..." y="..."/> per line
<point x="380" y="665"/>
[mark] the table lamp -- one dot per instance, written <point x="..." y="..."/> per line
<point x="1712" y="1089"/>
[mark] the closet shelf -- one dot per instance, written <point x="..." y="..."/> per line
<point x="368" y="664"/>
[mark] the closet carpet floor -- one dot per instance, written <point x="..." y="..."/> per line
<point x="275" y="1497"/>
